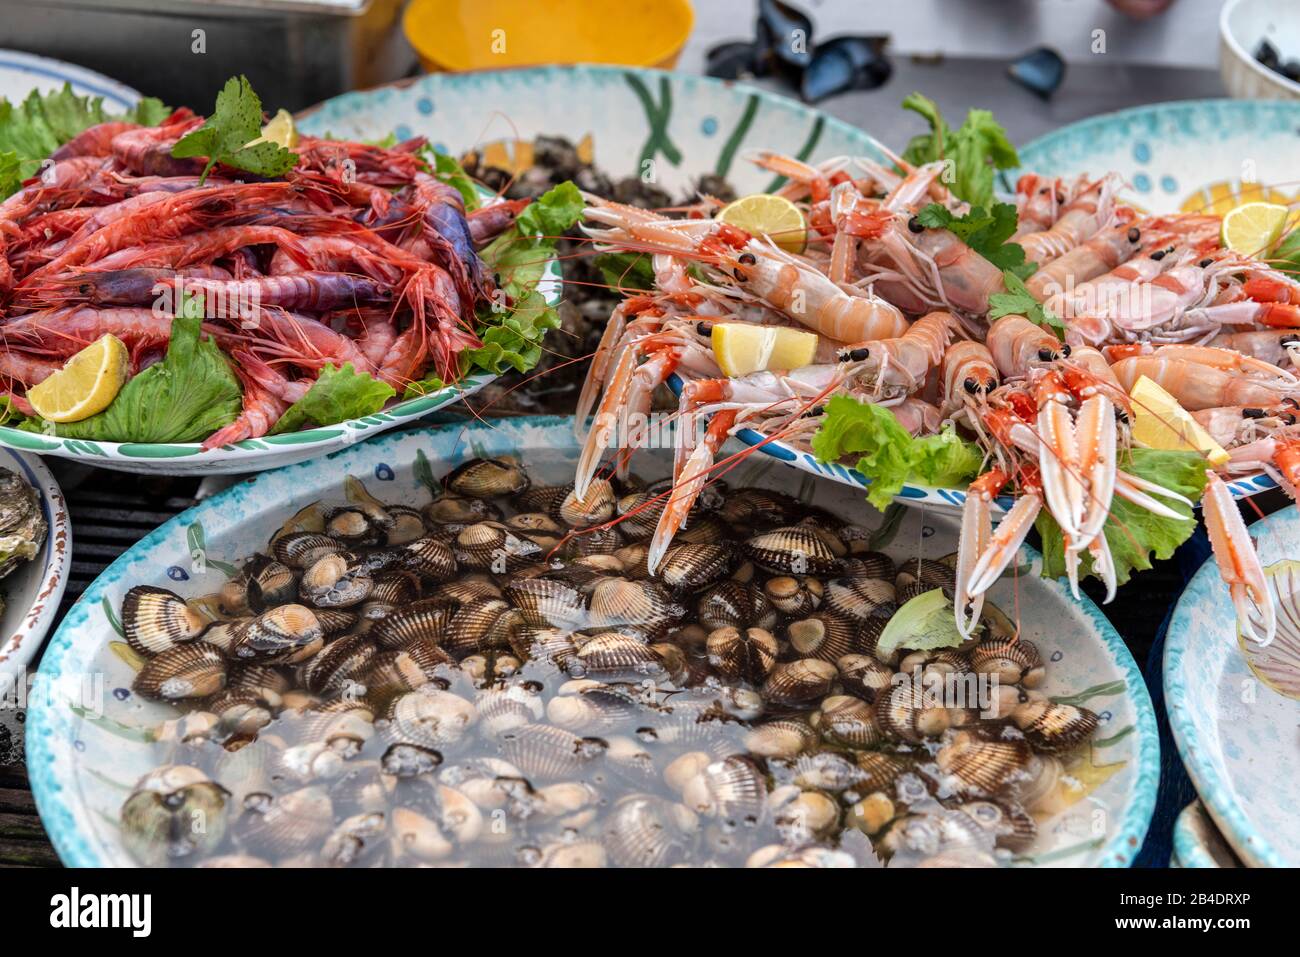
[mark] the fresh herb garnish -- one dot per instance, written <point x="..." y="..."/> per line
<point x="235" y="122"/>
<point x="974" y="149"/>
<point x="626" y="270"/>
<point x="988" y="233"/>
<point x="1286" y="255"/>
<point x="1018" y="301"/>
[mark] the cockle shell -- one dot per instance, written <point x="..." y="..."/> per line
<point x="155" y="620"/>
<point x="195" y="669"/>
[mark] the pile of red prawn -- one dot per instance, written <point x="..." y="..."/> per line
<point x="359" y="255"/>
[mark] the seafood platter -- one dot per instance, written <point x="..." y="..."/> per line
<point x="590" y="640"/>
<point x="389" y="669"/>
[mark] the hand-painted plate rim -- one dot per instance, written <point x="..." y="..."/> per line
<point x="910" y="494"/>
<point x="50" y="779"/>
<point x="1215" y="790"/>
<point x="18" y="649"/>
<point x="83" y="81"/>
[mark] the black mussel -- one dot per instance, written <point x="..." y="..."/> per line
<point x="1040" y="71"/>
<point x="845" y="63"/>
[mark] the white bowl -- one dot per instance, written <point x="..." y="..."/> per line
<point x="33" y="590"/>
<point x="1242" y="24"/>
<point x="82" y="763"/>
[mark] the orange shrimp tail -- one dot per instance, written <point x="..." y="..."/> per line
<point x="1279" y="315"/>
<point x="1287" y="459"/>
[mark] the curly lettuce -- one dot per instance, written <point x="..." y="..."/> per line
<point x="336" y="396"/>
<point x="1135" y="535"/>
<point x="33" y="129"/>
<point x="887" y="453"/>
<point x="512" y="334"/>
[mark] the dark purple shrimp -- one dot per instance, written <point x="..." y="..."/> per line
<point x="488" y="222"/>
<point x="315" y="291"/>
<point x="448" y="235"/>
<point x="147" y="151"/>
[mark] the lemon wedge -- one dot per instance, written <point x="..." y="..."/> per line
<point x="280" y="130"/>
<point x="1159" y="422"/>
<point x="86" y="384"/>
<point x="1252" y="227"/>
<point x="741" y="348"/>
<point x="764" y="214"/>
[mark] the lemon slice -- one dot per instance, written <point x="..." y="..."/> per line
<point x="86" y="384"/>
<point x="1252" y="227"/>
<point x="280" y="130"/>
<point x="766" y="215"/>
<point x="741" y="348"/>
<point x="1159" y="422"/>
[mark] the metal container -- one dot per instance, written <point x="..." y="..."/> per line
<point x="294" y="52"/>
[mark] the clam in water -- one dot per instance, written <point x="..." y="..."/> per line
<point x="485" y="681"/>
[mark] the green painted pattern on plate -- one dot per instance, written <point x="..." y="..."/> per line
<point x="153" y="450"/>
<point x="28" y="440"/>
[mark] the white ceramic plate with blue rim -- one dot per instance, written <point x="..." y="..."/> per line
<point x="82" y="765"/>
<point x="1198" y="843"/>
<point x="33" y="590"/>
<point x="1233" y="708"/>
<point x="1191" y="156"/>
<point x="21" y="73"/>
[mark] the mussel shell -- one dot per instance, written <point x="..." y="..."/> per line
<point x="339" y="664"/>
<point x="864" y="675"/>
<point x="274" y="583"/>
<point x="334" y="582"/>
<point x="155" y="620"/>
<point x="1054" y="728"/>
<point x="733" y="789"/>
<point x="491" y="547"/>
<point x="981" y="765"/>
<point x="546" y="753"/>
<point x="824" y="635"/>
<point x="547" y="603"/>
<point x="615" y="654"/>
<point x="737" y="655"/>
<point x="734" y="603"/>
<point x="487" y="478"/>
<point x="288" y="824"/>
<point x="904" y="714"/>
<point x="303" y="549"/>
<point x="278" y="634"/>
<point x="195" y="669"/>
<point x="432" y="560"/>
<point x="848" y="721"/>
<point x="646" y="831"/>
<point x="1013" y="660"/>
<point x="799" y="682"/>
<point x="782" y="738"/>
<point x="860" y="597"/>
<point x="424" y="620"/>
<point x="643" y="607"/>
<point x="693" y="565"/>
<point x="428" y="717"/>
<point x="158" y="818"/>
<point x="480" y="626"/>
<point x="594" y="508"/>
<point x="794" y="596"/>
<point x="792" y="550"/>
<point x="759" y="508"/>
<point x="454" y="512"/>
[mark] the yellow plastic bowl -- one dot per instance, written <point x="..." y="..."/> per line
<point x="455" y="35"/>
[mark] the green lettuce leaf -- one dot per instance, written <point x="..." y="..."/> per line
<point x="30" y="131"/>
<point x="512" y="336"/>
<point x="336" y="396"/>
<point x="186" y="397"/>
<point x="888" y="454"/>
<point x="426" y="386"/>
<point x="626" y="270"/>
<point x="1286" y="254"/>
<point x="976" y="148"/>
<point x="1134" y="534"/>
<point x="449" y="170"/>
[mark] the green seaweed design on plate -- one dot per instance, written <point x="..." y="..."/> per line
<point x="199" y="551"/>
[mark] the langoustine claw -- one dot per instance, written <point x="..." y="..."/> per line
<point x="1238" y="562"/>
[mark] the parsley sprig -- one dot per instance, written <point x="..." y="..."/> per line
<point x="227" y="135"/>
<point x="985" y="232"/>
